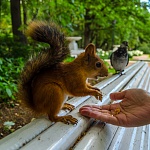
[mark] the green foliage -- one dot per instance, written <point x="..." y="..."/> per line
<point x="106" y="22"/>
<point x="103" y="54"/>
<point x="69" y="59"/>
<point x="9" y="73"/>
<point x="145" y="48"/>
<point x="111" y="70"/>
<point x="135" y="53"/>
<point x="9" y="48"/>
<point x="7" y="126"/>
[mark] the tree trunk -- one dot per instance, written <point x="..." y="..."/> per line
<point x="87" y="31"/>
<point x="24" y="12"/>
<point x="16" y="21"/>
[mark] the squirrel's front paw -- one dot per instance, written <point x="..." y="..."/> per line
<point x="68" y="106"/>
<point x="95" y="88"/>
<point x="98" y="95"/>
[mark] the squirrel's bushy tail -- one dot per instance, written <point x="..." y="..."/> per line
<point x="57" y="52"/>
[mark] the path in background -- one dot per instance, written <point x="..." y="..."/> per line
<point x="143" y="57"/>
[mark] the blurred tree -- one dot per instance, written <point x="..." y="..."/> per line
<point x="16" y="21"/>
<point x="91" y="20"/>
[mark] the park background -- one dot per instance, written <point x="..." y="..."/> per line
<point x="103" y="22"/>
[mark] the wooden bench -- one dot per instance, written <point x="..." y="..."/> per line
<point x="88" y="134"/>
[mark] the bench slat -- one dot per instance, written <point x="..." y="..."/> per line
<point x="27" y="133"/>
<point x="58" y="142"/>
<point x="41" y="133"/>
<point x="103" y="142"/>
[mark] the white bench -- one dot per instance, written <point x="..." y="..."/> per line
<point x="88" y="134"/>
<point x="73" y="44"/>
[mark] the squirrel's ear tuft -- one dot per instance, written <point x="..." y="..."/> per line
<point x="90" y="50"/>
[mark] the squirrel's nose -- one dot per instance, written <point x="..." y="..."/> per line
<point x="104" y="73"/>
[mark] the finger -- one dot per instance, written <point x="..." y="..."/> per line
<point x="110" y="106"/>
<point x="97" y="109"/>
<point x="90" y="106"/>
<point x="103" y="107"/>
<point x="117" y="95"/>
<point x="110" y="109"/>
<point x="100" y="116"/>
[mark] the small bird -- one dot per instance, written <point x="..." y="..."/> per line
<point x="119" y="59"/>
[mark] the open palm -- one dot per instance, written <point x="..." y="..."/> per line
<point x="134" y="109"/>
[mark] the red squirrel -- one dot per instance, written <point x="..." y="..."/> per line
<point x="46" y="80"/>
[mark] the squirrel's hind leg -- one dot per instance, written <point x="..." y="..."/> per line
<point x="55" y="105"/>
<point x="65" y="119"/>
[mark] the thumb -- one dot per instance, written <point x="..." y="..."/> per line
<point x="117" y="95"/>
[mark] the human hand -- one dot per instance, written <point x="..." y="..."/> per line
<point x="134" y="109"/>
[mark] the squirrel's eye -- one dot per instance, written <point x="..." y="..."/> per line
<point x="98" y="64"/>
